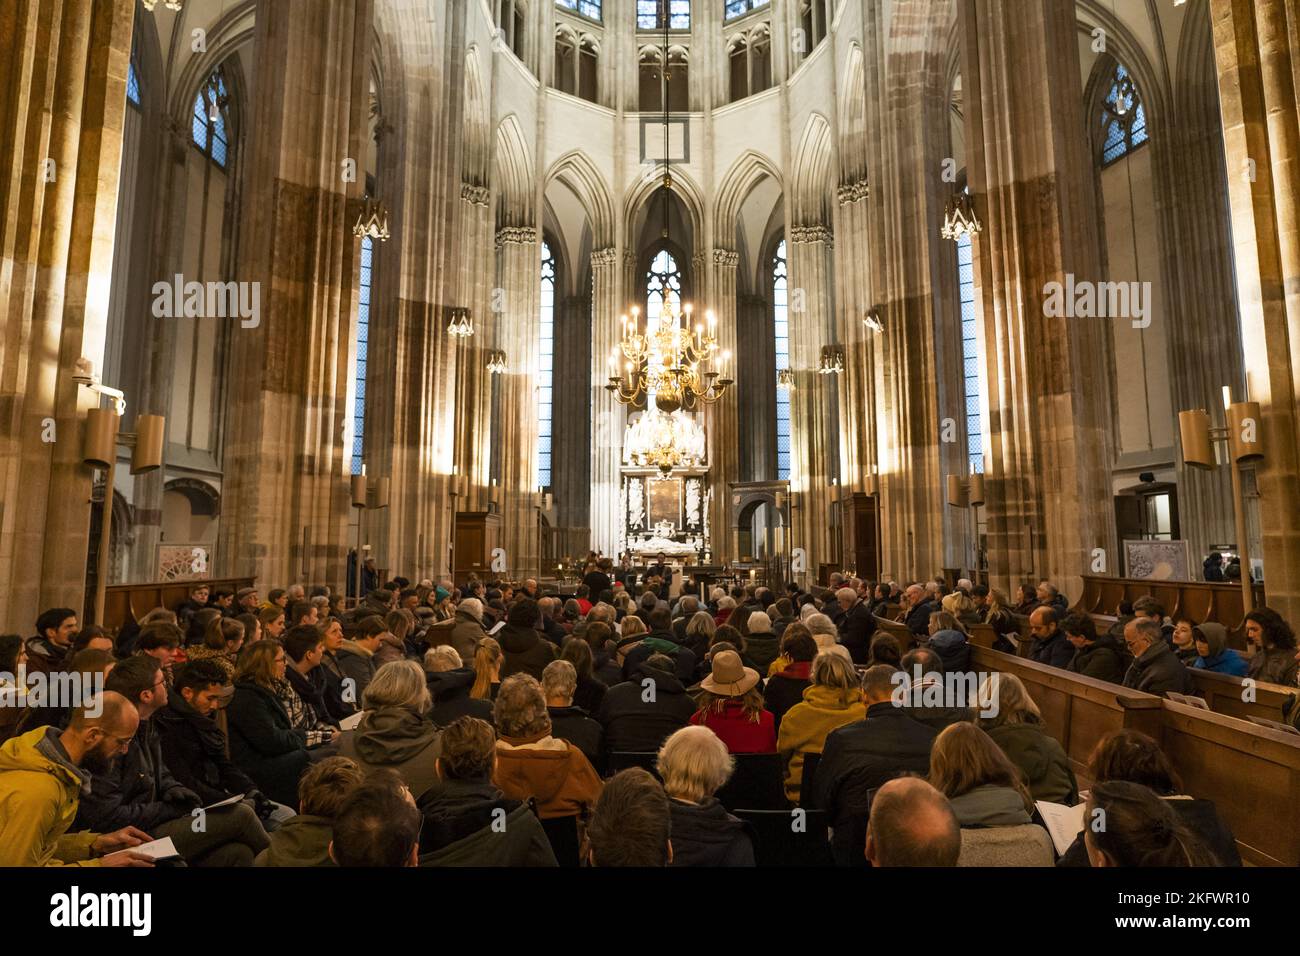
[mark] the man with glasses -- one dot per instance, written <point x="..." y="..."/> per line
<point x="42" y="774"/>
<point x="138" y="789"/>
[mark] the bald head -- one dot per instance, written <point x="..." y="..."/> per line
<point x="912" y="824"/>
<point x="109" y="711"/>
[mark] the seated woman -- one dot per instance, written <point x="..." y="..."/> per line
<point x="532" y="763"/>
<point x="884" y="649"/>
<point x="785" y="688"/>
<point x="1018" y="729"/>
<point x="1141" y="830"/>
<point x="1132" y="757"/>
<point x="304" y="839"/>
<point x="1185" y="642"/>
<point x="999" y="616"/>
<point x="962" y="607"/>
<point x="263" y="742"/>
<point x="948" y="639"/>
<point x="833" y="699"/>
<point x="467" y="820"/>
<point x="1274" y="647"/>
<point x="699" y="632"/>
<point x="222" y="640"/>
<point x="992" y="804"/>
<point x="488" y="658"/>
<point x="694" y="764"/>
<point x="1213" y="653"/>
<point x="395" y="730"/>
<point x="731" y="705"/>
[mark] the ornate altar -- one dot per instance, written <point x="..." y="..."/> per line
<point x="666" y="515"/>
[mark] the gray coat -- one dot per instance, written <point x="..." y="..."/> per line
<point x="464" y="633"/>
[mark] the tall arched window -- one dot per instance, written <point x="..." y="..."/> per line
<point x="588" y="8"/>
<point x="1123" y="118"/>
<point x="781" y="323"/>
<point x="657" y="14"/>
<point x="662" y="278"/>
<point x="738" y="8"/>
<point x="133" y="78"/>
<point x="209" y="124"/>
<point x="363" y="352"/>
<point x="970" y="351"/>
<point x="545" y="368"/>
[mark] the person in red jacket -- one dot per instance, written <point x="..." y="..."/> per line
<point x="731" y="705"/>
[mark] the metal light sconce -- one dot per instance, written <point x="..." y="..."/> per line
<point x="785" y="380"/>
<point x="372" y="221"/>
<point x="959" y="217"/>
<point x="461" y="324"/>
<point x="832" y="360"/>
<point x="497" y="364"/>
<point x="875" y="320"/>
<point x="1243" y="439"/>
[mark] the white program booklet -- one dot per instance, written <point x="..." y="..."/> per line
<point x="350" y="723"/>
<point x="224" y="803"/>
<point x="499" y="625"/>
<point x="1064" y="823"/>
<point x="163" y="849"/>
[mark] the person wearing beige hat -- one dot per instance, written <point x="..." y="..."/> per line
<point x="731" y="705"/>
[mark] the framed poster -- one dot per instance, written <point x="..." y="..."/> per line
<point x="1157" y="560"/>
<point x="664" y="502"/>
<point x="184" y="562"/>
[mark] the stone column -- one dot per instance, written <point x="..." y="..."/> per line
<point x="1257" y="50"/>
<point x="721" y="418"/>
<point x="756" y="388"/>
<point x="1048" y="488"/>
<point x="852" y="283"/>
<point x="518" y="258"/>
<point x="608" y="417"/>
<point x="571" y="416"/>
<point x="63" y="64"/>
<point x="285" y="458"/>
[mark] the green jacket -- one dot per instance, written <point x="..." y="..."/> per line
<point x="303" y="840"/>
<point x="520" y="842"/>
<point x="40" y="789"/>
<point x="1041" y="759"/>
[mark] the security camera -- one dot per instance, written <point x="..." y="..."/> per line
<point x="83" y="372"/>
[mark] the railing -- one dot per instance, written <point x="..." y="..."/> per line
<point x="1198" y="601"/>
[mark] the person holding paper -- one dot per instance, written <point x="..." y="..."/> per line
<point x="42" y="774"/>
<point x="139" y="790"/>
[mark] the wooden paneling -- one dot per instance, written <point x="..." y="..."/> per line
<point x="124" y="603"/>
<point x="1198" y="601"/>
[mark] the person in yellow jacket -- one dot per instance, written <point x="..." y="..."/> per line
<point x="832" y="700"/>
<point x="42" y="775"/>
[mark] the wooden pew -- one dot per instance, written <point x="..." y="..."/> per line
<point x="900" y="631"/>
<point x="1251" y="773"/>
<point x="1198" y="601"/>
<point x="1224" y="694"/>
<point x="124" y="603"/>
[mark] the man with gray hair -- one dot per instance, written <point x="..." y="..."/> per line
<point x="1156" y="669"/>
<point x="857" y="625"/>
<point x="861" y="756"/>
<point x="548" y="623"/>
<point x="463" y="632"/>
<point x="918" y="607"/>
<point x="686" y="609"/>
<point x="559" y="684"/>
<point x="912" y="824"/>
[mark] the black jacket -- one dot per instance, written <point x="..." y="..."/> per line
<point x="524" y="650"/>
<point x="332" y="675"/>
<point x="451" y="700"/>
<point x="632" y="723"/>
<point x="1159" y="671"/>
<point x="598" y="582"/>
<point x="264" y="744"/>
<point x="462" y="827"/>
<point x="194" y="750"/>
<point x="705" y="834"/>
<point x="684" y="660"/>
<point x="1201" y="818"/>
<point x="1056" y="650"/>
<point x="857" y="627"/>
<point x="553" y="631"/>
<point x="781" y="692"/>
<point x="589" y="694"/>
<point x="856" y="760"/>
<point x="574" y="725"/>
<point x="135" y="790"/>
<point x="918" y="618"/>
<point x="1103" y="659"/>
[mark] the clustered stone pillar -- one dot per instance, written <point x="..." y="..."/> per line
<point x="721" y="418"/>
<point x="63" y="65"/>
<point x="1257" y="49"/>
<point x="607" y="415"/>
<point x="853" y="301"/>
<point x="285" y="457"/>
<point x="1048" y="486"/>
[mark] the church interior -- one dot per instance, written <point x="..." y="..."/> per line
<point x="803" y="345"/>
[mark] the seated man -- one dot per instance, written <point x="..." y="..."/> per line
<point x="924" y="696"/>
<point x="467" y="820"/>
<point x="559" y="684"/>
<point x="377" y="825"/>
<point x="632" y="822"/>
<point x="916" y="610"/>
<point x="304" y="839"/>
<point x="635" y="719"/>
<point x="42" y="774"/>
<point x="1156" y="669"/>
<point x="304" y="646"/>
<point x="856" y="624"/>
<point x="861" y="756"/>
<point x="533" y="763"/>
<point x="137" y="789"/>
<point x="194" y="748"/>
<point x="912" y="824"/>
<point x="1050" y="645"/>
<point x="52" y="645"/>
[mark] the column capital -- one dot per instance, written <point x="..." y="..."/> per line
<point x="849" y="193"/>
<point x="515" y="235"/>
<point x="604" y="257"/>
<point x="473" y="194"/>
<point x="815" y="232"/>
<point x="725" y="257"/>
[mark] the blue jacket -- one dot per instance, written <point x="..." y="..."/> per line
<point x="952" y="648"/>
<point x="1227" y="661"/>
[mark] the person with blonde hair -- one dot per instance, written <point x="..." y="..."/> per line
<point x="395" y="731"/>
<point x="450" y="680"/>
<point x="992" y="804"/>
<point x="833" y="699"/>
<point x="488" y="659"/>
<point x="1016" y="725"/>
<point x="694" y="764"/>
<point x="730" y="703"/>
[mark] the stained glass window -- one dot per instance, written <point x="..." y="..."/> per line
<point x="782" y="325"/>
<point x="737" y="8"/>
<point x="545" y="369"/>
<point x="363" y="352"/>
<point x="208" y="127"/>
<point x="650" y="14"/>
<point x="1123" y="118"/>
<point x="970" y="351"/>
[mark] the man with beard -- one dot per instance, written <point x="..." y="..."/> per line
<point x="42" y="774"/>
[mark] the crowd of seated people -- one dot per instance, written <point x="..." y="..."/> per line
<point x="617" y="727"/>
